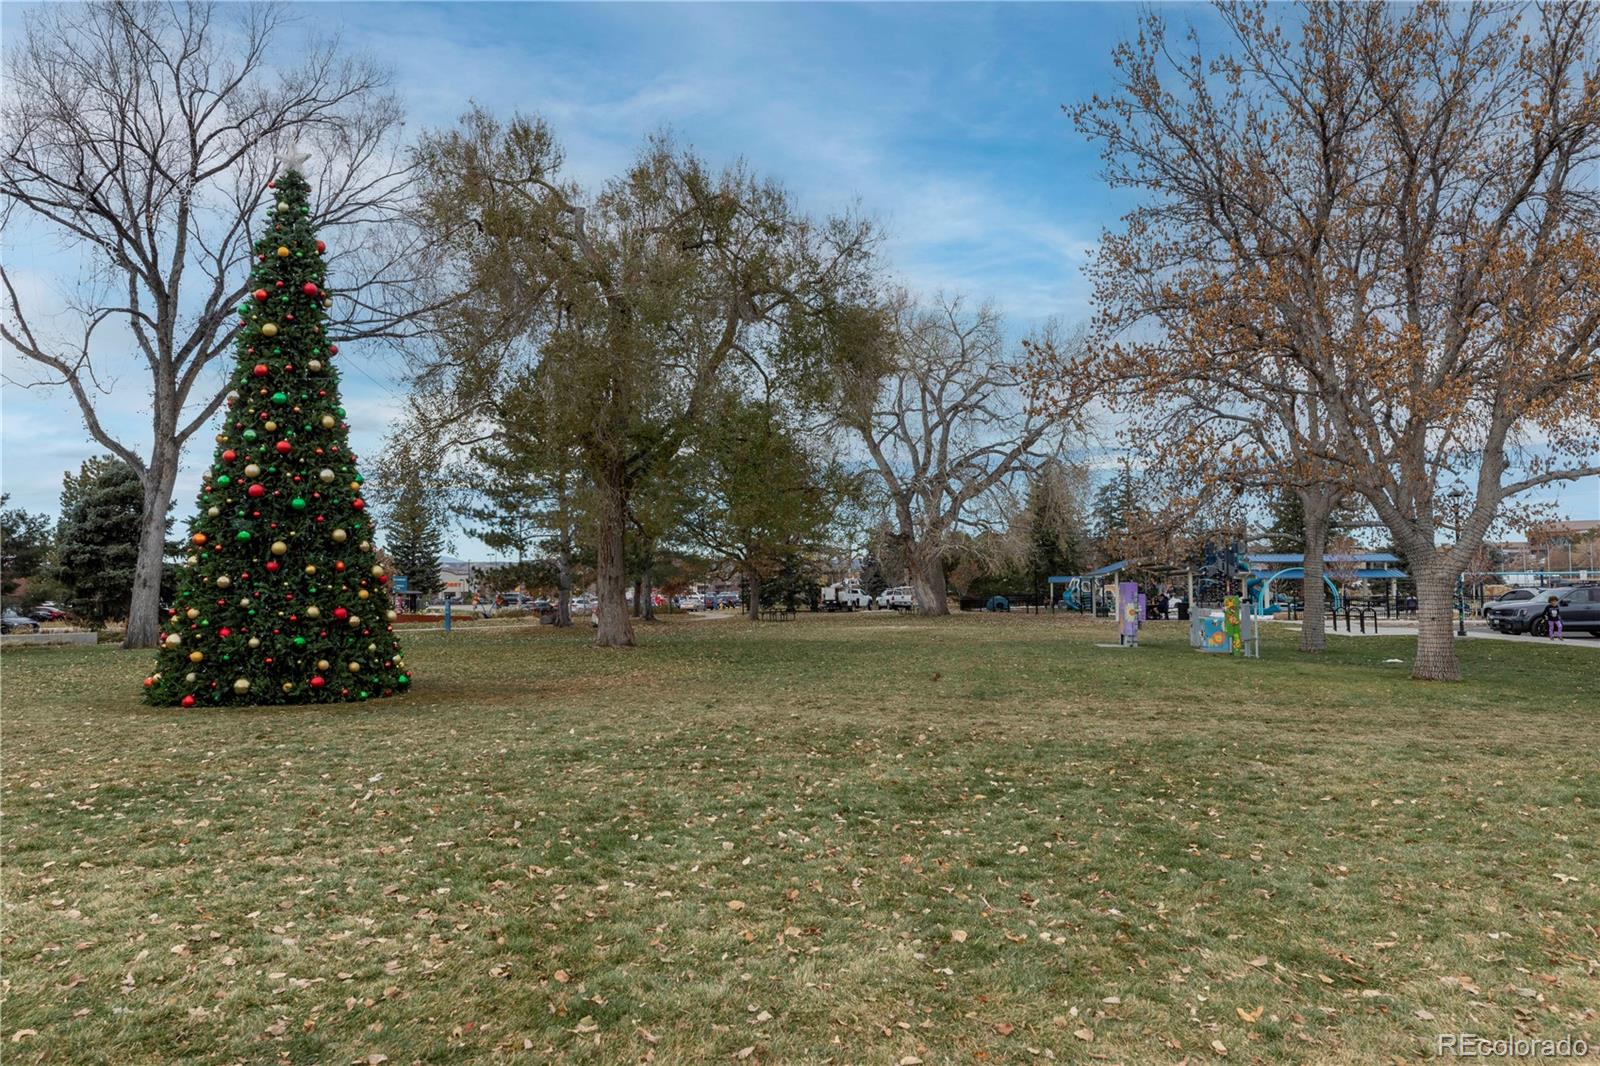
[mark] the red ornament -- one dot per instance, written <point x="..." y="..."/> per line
<point x="229" y="456"/>
<point x="272" y="566"/>
<point x="279" y="284"/>
<point x="188" y="701"/>
<point x="257" y="490"/>
<point x="309" y="288"/>
<point x="261" y="295"/>
<point x="333" y="349"/>
<point x="261" y="370"/>
<point x="340" y="613"/>
<point x="358" y="503"/>
<point x="224" y="632"/>
<point x="339" y="566"/>
<point x="318" y="681"/>
<point x="272" y="184"/>
<point x="321" y="247"/>
<point x="283" y="447"/>
<point x="149" y="682"/>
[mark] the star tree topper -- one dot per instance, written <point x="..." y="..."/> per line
<point x="294" y="158"/>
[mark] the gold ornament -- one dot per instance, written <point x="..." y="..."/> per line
<point x="244" y="601"/>
<point x="213" y="512"/>
<point x="362" y="594"/>
<point x="315" y="366"/>
<point x="269" y="330"/>
<point x="313" y="611"/>
<point x="311" y="568"/>
<point x="242" y="686"/>
<point x="325" y="476"/>
<point x="340" y="536"/>
<point x="197" y="656"/>
<point x="173" y="640"/>
<point x="271" y="427"/>
<point x="355" y="621"/>
<point x="377" y="570"/>
<point x="192" y="613"/>
<point x="328" y="422"/>
<point x="390" y="616"/>
<point x="224" y="581"/>
<point x="190" y="677"/>
<point x="252" y="470"/>
<point x="355" y="668"/>
<point x="279" y="547"/>
<point x="283" y="251"/>
<point x="288" y="686"/>
<point x="255" y="642"/>
<point x="283" y="207"/>
<point x="323" y="664"/>
<point x="365" y="546"/>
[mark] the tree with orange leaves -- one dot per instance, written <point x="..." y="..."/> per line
<point x="1382" y="220"/>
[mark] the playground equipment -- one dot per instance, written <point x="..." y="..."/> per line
<point x="1269" y="567"/>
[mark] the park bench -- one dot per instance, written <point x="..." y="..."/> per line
<point x="777" y="614"/>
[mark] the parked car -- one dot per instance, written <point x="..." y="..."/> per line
<point x="1580" y="612"/>
<point x="691" y="602"/>
<point x="12" y="622"/>
<point x="47" y="612"/>
<point x="899" y="598"/>
<point x="1509" y="597"/>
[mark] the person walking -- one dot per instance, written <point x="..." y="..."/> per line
<point x="1552" y="617"/>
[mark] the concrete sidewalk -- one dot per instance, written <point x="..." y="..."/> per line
<point x="1475" y="630"/>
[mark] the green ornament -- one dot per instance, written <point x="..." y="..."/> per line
<point x="224" y="481"/>
<point x="403" y="679"/>
<point x="249" y="434"/>
<point x="298" y="504"/>
<point x="340" y="411"/>
<point x="243" y="534"/>
<point x="299" y="642"/>
<point x="280" y="397"/>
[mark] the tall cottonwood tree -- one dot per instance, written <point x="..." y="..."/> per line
<point x="1393" y="211"/>
<point x="626" y="305"/>
<point x="142" y="136"/>
<point x="942" y="414"/>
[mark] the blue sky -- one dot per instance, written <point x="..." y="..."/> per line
<point x="943" y="122"/>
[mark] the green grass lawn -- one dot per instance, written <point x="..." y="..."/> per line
<point x="867" y="840"/>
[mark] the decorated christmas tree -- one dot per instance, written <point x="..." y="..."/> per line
<point x="282" y="599"/>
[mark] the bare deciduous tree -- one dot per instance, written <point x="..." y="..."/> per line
<point x="944" y="419"/>
<point x="1396" y="205"/>
<point x="142" y="137"/>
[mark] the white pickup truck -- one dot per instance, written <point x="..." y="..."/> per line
<point x="845" y="596"/>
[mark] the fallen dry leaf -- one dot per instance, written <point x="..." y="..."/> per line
<point x="959" y="936"/>
<point x="1250" y="1017"/>
<point x="1086" y="1035"/>
<point x="1004" y="1028"/>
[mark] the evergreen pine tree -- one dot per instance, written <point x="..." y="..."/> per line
<point x="282" y="600"/>
<point x="98" y="543"/>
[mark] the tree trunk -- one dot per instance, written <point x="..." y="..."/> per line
<point x="1436" y="638"/>
<point x="928" y="584"/>
<point x="614" y="631"/>
<point x="649" y="596"/>
<point x="638" y="597"/>
<point x="564" y="595"/>
<point x="752" y="607"/>
<point x="1317" y="506"/>
<point x="144" y="611"/>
